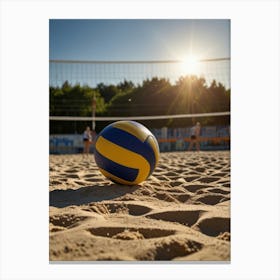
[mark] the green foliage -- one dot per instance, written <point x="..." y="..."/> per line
<point x="189" y="95"/>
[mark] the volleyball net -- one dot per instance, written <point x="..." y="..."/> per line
<point x="166" y="96"/>
<point x="92" y="73"/>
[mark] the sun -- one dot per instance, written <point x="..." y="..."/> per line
<point x="189" y="65"/>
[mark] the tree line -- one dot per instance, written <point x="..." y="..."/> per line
<point x="156" y="96"/>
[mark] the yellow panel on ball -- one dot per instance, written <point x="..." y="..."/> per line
<point x="126" y="152"/>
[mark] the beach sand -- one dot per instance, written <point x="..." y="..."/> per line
<point x="181" y="213"/>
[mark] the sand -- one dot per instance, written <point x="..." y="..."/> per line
<point x="181" y="213"/>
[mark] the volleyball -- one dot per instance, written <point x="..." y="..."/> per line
<point x="126" y="152"/>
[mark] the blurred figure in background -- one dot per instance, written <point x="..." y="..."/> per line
<point x="87" y="139"/>
<point x="195" y="133"/>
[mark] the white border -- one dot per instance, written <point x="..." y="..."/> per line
<point x="24" y="138"/>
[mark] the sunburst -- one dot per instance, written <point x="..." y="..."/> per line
<point x="190" y="65"/>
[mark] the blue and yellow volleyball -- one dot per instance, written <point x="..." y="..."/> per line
<point x="126" y="152"/>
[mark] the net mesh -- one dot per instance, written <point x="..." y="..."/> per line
<point x="92" y="73"/>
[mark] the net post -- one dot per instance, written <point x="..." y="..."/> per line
<point x="93" y="112"/>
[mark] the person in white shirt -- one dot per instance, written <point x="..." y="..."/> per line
<point x="87" y="139"/>
<point x="195" y="133"/>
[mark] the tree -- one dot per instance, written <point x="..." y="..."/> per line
<point x="155" y="96"/>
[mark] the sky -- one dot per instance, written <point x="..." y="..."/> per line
<point x="147" y="39"/>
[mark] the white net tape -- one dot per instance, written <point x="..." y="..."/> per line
<point x="73" y="118"/>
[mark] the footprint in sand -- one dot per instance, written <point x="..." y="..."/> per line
<point x="194" y="188"/>
<point x="191" y="178"/>
<point x="213" y="226"/>
<point x="184" y="217"/>
<point x="165" y="197"/>
<point x="208" y="179"/>
<point x="72" y="176"/>
<point x="66" y="220"/>
<point x="211" y="199"/>
<point x="132" y="209"/>
<point x="218" y="190"/>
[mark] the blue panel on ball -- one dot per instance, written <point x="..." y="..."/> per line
<point x="121" y="171"/>
<point x="130" y="142"/>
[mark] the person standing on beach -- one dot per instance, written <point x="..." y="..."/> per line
<point x="195" y="133"/>
<point x="87" y="139"/>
